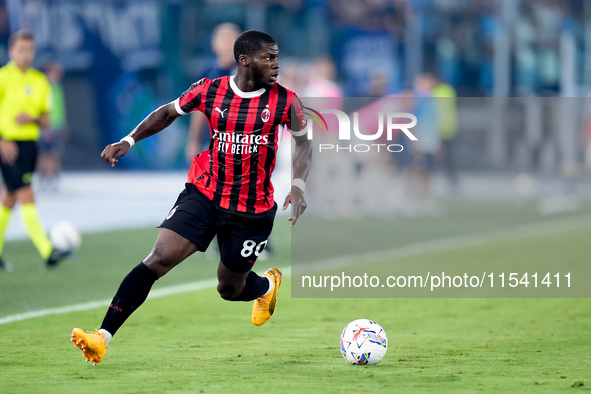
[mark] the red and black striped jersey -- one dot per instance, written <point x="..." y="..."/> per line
<point x="235" y="171"/>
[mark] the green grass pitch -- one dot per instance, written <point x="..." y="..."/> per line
<point x="196" y="342"/>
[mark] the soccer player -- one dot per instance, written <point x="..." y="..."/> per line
<point x="24" y="108"/>
<point x="228" y="190"/>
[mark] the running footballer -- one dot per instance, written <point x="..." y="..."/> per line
<point x="228" y="191"/>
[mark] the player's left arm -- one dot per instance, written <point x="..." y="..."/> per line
<point x="302" y="157"/>
<point x="152" y="124"/>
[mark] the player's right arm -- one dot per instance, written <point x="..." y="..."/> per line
<point x="152" y="124"/>
<point x="158" y="120"/>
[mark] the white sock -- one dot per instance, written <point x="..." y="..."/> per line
<point x="271" y="285"/>
<point x="108" y="336"/>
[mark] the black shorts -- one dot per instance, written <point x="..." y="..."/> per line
<point x="242" y="237"/>
<point x="20" y="173"/>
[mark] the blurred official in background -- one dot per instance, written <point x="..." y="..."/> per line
<point x="25" y="103"/>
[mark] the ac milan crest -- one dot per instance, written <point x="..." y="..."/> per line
<point x="172" y="211"/>
<point x="266" y="115"/>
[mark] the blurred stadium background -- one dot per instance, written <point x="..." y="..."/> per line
<point x="123" y="58"/>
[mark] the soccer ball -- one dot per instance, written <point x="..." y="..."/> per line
<point x="363" y="342"/>
<point x="65" y="236"/>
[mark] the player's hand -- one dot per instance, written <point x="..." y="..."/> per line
<point x="113" y="152"/>
<point x="24" y="119"/>
<point x="8" y="152"/>
<point x="298" y="204"/>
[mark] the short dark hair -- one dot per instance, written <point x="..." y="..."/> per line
<point x="250" y="42"/>
<point x="20" y="35"/>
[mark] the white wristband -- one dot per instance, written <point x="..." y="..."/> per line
<point x="299" y="183"/>
<point x="129" y="140"/>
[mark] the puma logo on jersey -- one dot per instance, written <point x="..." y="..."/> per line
<point x="221" y="112"/>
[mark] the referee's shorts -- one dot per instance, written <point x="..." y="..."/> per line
<point x="20" y="173"/>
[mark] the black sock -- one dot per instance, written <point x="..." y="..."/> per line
<point x="255" y="287"/>
<point x="132" y="292"/>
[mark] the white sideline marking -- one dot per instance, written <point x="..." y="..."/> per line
<point x="445" y="244"/>
<point x="157" y="293"/>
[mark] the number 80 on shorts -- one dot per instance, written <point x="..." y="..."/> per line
<point x="249" y="247"/>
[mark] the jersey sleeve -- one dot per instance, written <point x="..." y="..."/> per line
<point x="191" y="99"/>
<point x="296" y="120"/>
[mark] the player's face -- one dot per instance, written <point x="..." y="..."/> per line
<point x="265" y="65"/>
<point x="22" y="53"/>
